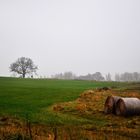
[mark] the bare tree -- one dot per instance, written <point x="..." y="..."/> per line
<point x="69" y="75"/>
<point x="108" y="77"/>
<point x="135" y="76"/>
<point x="117" y="77"/>
<point x="23" y="66"/>
<point x="98" y="76"/>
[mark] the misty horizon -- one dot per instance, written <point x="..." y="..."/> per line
<point x="79" y="36"/>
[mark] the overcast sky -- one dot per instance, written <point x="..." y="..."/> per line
<point x="82" y="36"/>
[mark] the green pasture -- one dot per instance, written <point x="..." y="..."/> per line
<point x="32" y="98"/>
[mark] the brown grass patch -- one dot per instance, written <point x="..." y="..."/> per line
<point x="91" y="103"/>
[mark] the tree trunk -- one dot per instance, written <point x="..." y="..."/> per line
<point x="23" y="75"/>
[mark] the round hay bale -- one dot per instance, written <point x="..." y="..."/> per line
<point x="128" y="106"/>
<point x="110" y="104"/>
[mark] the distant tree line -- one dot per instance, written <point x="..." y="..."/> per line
<point x="124" y="77"/>
<point x="97" y="76"/>
<point x="69" y="75"/>
<point x="25" y="66"/>
<point x="65" y="75"/>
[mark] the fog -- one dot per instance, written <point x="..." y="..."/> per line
<point x="82" y="36"/>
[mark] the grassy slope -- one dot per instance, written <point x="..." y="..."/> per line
<point x="33" y="97"/>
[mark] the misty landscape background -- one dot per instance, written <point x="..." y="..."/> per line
<point x="72" y="39"/>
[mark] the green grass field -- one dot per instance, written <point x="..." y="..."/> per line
<point x="38" y="101"/>
<point x="32" y="97"/>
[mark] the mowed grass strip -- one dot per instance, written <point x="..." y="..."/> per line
<point x="28" y="97"/>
